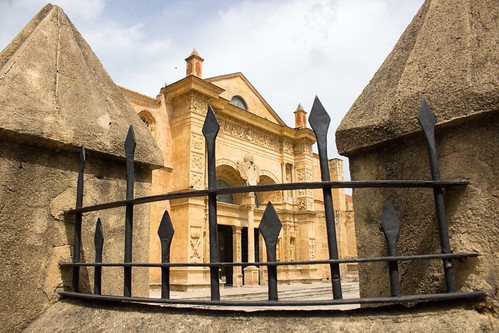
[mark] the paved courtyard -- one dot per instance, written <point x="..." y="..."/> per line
<point x="315" y="291"/>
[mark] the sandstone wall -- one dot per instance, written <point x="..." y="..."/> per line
<point x="37" y="185"/>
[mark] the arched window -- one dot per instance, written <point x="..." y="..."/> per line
<point x="227" y="198"/>
<point x="147" y="119"/>
<point x="239" y="102"/>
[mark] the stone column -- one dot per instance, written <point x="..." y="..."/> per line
<point x="251" y="272"/>
<point x="237" y="276"/>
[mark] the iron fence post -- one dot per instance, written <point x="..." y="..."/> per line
<point x="98" y="242"/>
<point x="427" y="121"/>
<point x="165" y="233"/>
<point x="78" y="220"/>
<point x="210" y="131"/>
<point x="319" y="120"/>
<point x="270" y="226"/>
<point x="130" y="145"/>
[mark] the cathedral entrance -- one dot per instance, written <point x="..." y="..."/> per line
<point x="225" y="251"/>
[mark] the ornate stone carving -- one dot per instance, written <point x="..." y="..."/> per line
<point x="250" y="135"/>
<point x="195" y="243"/>
<point x="303" y="149"/>
<point x="312" y="249"/>
<point x="197" y="162"/>
<point x="196" y="181"/>
<point x="198" y="106"/>
<point x="300" y="174"/>
<point x="287" y="147"/>
<point x="308" y="175"/>
<point x="249" y="171"/>
<point x="197" y="142"/>
<point x="302" y="204"/>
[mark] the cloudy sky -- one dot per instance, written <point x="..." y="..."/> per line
<point x="291" y="50"/>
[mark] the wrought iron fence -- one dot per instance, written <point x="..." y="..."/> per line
<point x="269" y="227"/>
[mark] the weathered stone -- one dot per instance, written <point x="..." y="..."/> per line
<point x="449" y="54"/>
<point x="54" y="89"/>
<point x="98" y="317"/>
<point x="54" y="96"/>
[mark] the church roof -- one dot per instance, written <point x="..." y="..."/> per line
<point x="54" y="90"/>
<point x="448" y="53"/>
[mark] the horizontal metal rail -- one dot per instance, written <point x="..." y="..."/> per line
<point x="344" y="301"/>
<point x="458" y="255"/>
<point x="274" y="187"/>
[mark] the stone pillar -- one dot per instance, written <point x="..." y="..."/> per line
<point x="449" y="54"/>
<point x="251" y="272"/>
<point x="39" y="159"/>
<point x="237" y="276"/>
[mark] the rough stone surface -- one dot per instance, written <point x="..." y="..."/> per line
<point x="33" y="241"/>
<point x="67" y="316"/>
<point x="447" y="53"/>
<point x="53" y="87"/>
<point x="54" y="97"/>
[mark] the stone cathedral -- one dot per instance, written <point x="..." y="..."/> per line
<point x="254" y="146"/>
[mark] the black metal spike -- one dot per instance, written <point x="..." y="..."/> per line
<point x="428" y="121"/>
<point x="130" y="142"/>
<point x="130" y="145"/>
<point x="165" y="233"/>
<point x="210" y="132"/>
<point x="78" y="219"/>
<point x="270" y="226"/>
<point x="98" y="242"/>
<point x="390" y="224"/>
<point x="391" y="227"/>
<point x="211" y="125"/>
<point x="319" y="120"/>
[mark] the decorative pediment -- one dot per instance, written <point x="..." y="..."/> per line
<point x="237" y="85"/>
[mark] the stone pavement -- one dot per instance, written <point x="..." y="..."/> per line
<point x="315" y="291"/>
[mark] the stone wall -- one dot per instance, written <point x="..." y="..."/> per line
<point x="38" y="184"/>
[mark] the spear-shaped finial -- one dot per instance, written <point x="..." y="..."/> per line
<point x="165" y="233"/>
<point x="210" y="126"/>
<point x="270" y="226"/>
<point x="319" y="121"/>
<point x="390" y="224"/>
<point x="98" y="242"/>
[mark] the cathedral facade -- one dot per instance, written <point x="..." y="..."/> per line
<point x="254" y="146"/>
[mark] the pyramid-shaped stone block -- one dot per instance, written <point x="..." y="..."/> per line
<point x="449" y="54"/>
<point x="54" y="90"/>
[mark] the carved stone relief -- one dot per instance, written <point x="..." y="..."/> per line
<point x="300" y="174"/>
<point x="197" y="162"/>
<point x="197" y="142"/>
<point x="195" y="243"/>
<point x="312" y="249"/>
<point x="198" y="106"/>
<point x="196" y="180"/>
<point x="250" y="135"/>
